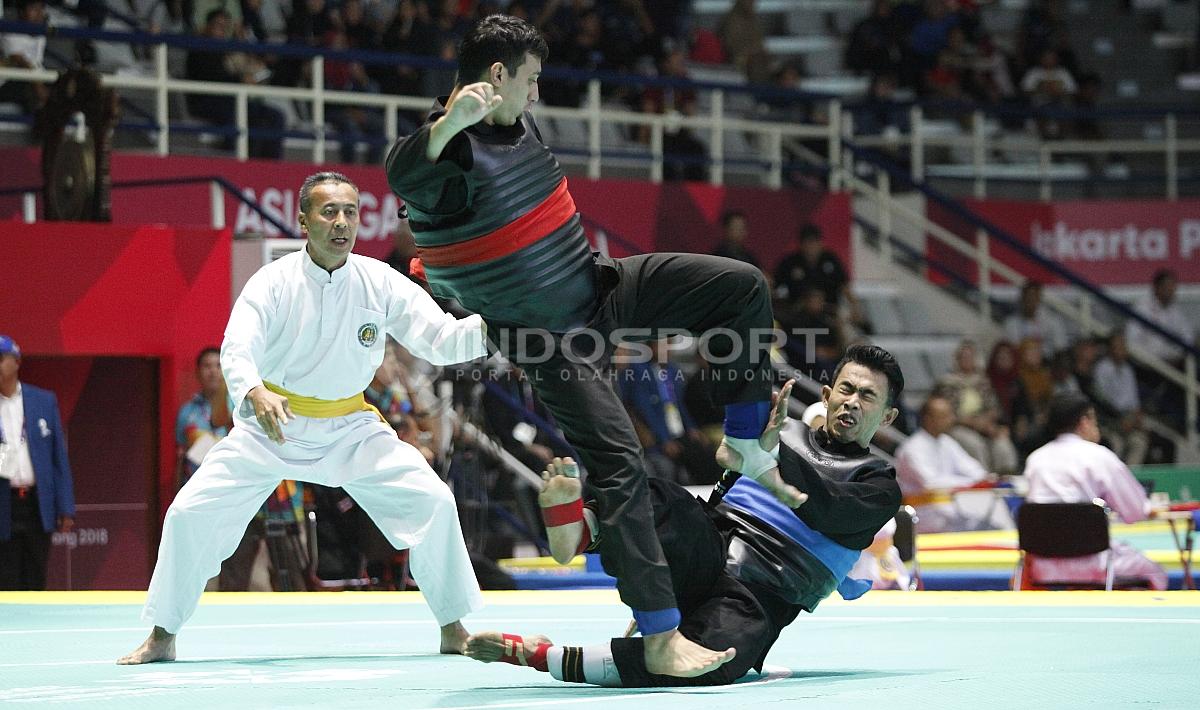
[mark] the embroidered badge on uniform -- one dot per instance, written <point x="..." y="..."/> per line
<point x="368" y="333"/>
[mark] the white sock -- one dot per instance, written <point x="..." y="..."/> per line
<point x="596" y="663"/>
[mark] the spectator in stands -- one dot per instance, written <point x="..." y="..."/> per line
<point x="977" y="411"/>
<point x="815" y="335"/>
<point x="1002" y="375"/>
<point x="1160" y="307"/>
<point x="214" y="65"/>
<point x="1037" y="387"/>
<point x="684" y="154"/>
<point x="735" y="228"/>
<point x="584" y="51"/>
<point x="653" y="389"/>
<point x="205" y="418"/>
<point x="1075" y="468"/>
<point x="880" y="113"/>
<point x="1116" y="383"/>
<point x="411" y="32"/>
<point x="25" y="52"/>
<point x="1032" y="321"/>
<point x="931" y="33"/>
<point x="875" y="44"/>
<point x="1049" y="86"/>
<point x="814" y="265"/>
<point x="388" y="392"/>
<point x="930" y="465"/>
<point x="355" y="124"/>
<point x="629" y="35"/>
<point x="743" y="40"/>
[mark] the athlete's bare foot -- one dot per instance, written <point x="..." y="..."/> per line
<point x="670" y="653"/>
<point x="159" y="646"/>
<point x="489" y="646"/>
<point x="454" y="638"/>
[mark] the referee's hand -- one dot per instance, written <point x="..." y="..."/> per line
<point x="272" y="412"/>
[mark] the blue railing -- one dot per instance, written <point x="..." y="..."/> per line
<point x="225" y="184"/>
<point x="761" y="91"/>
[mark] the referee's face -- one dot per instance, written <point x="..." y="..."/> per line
<point x="331" y="223"/>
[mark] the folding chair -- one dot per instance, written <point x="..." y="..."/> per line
<point x="905" y="540"/>
<point x="1057" y="530"/>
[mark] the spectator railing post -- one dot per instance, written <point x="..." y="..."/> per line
<point x="391" y="122"/>
<point x="593" y="119"/>
<point x="884" y="225"/>
<point x="1044" y="172"/>
<point x="916" y="120"/>
<point x="835" y="145"/>
<point x="656" y="150"/>
<point x="983" y="257"/>
<point x="978" y="153"/>
<point x="242" y="121"/>
<point x="216" y="201"/>
<point x="775" y="156"/>
<point x="318" y="86"/>
<point x="1172" y="146"/>
<point x="848" y="161"/>
<point x="1189" y="371"/>
<point x="716" y="168"/>
<point x="161" y="103"/>
<point x="29" y="207"/>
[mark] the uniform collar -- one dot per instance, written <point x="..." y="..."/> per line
<point x="321" y="276"/>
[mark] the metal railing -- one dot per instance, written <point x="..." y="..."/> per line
<point x="891" y="213"/>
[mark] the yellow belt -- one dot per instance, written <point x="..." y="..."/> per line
<point x="929" y="498"/>
<point x="324" y="408"/>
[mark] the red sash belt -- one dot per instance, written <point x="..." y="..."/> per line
<point x="527" y="229"/>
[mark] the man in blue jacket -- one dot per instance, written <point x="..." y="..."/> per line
<point x="36" y="493"/>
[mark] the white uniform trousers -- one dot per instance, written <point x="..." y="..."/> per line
<point x="390" y="480"/>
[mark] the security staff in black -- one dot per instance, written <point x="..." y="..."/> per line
<point x="496" y="229"/>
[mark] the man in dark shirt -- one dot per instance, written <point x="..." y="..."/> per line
<point x="496" y="229"/>
<point x="743" y="567"/>
<point x="205" y="65"/>
<point x="811" y="265"/>
<point x="733" y="241"/>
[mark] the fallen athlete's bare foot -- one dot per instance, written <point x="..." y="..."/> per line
<point x="670" y="653"/>
<point x="490" y="646"/>
<point x="159" y="646"/>
<point x="454" y="638"/>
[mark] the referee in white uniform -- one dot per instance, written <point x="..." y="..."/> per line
<point x="303" y="341"/>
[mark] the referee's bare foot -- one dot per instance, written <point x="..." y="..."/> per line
<point x="670" y="653"/>
<point x="159" y="646"/>
<point x="454" y="638"/>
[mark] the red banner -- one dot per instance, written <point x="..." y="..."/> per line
<point x="667" y="217"/>
<point x="1107" y="243"/>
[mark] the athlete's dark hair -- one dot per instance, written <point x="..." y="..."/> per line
<point x="875" y="358"/>
<point x="497" y="38"/>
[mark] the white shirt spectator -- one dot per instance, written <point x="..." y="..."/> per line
<point x="1169" y="318"/>
<point x="15" y="464"/>
<point x="937" y="465"/>
<point x="1035" y="77"/>
<point x="925" y="463"/>
<point x="1118" y="385"/>
<point x="1043" y="327"/>
<point x="1071" y="469"/>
